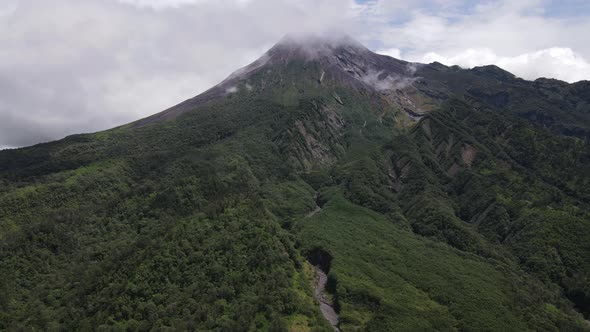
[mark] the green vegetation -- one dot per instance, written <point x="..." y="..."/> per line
<point x="390" y="279"/>
<point x="471" y="219"/>
<point x="518" y="239"/>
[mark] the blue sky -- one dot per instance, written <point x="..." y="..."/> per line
<point x="568" y="8"/>
<point x="70" y="66"/>
<point x="552" y="8"/>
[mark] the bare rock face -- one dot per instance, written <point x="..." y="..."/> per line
<point x="314" y="139"/>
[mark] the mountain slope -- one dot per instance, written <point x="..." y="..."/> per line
<point x="440" y="206"/>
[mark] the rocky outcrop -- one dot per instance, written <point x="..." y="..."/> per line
<point x="315" y="138"/>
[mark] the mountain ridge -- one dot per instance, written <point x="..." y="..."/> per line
<point x="414" y="88"/>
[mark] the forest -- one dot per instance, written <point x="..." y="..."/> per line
<point x="472" y="218"/>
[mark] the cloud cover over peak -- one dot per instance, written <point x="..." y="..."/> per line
<point x="69" y="66"/>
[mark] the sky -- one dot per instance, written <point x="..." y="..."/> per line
<point x="74" y="66"/>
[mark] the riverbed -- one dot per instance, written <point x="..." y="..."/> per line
<point x="326" y="306"/>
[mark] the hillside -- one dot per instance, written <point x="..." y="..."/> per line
<point x="434" y="197"/>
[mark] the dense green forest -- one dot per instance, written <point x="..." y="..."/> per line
<point x="471" y="218"/>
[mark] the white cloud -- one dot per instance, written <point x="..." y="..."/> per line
<point x="70" y="66"/>
<point x="514" y="35"/>
<point x="158" y="3"/>
<point x="392" y="52"/>
<point x="163" y="4"/>
<point x="553" y="62"/>
<point x="7" y="7"/>
<point x="563" y="63"/>
<point x="232" y="89"/>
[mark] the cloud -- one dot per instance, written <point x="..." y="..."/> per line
<point x="392" y="52"/>
<point x="70" y="66"/>
<point x="7" y="7"/>
<point x="231" y="89"/>
<point x="389" y="82"/>
<point x="159" y="4"/>
<point x="552" y="62"/>
<point x="163" y="4"/>
<point x="519" y="36"/>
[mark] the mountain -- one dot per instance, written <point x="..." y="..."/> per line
<point x="423" y="197"/>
